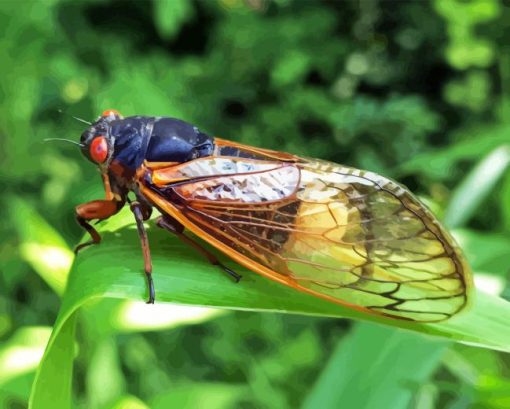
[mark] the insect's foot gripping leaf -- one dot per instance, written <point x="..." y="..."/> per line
<point x="237" y="277"/>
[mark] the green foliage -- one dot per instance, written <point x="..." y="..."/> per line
<point x="417" y="91"/>
<point x="404" y="363"/>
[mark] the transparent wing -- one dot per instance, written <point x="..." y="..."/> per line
<point x="349" y="236"/>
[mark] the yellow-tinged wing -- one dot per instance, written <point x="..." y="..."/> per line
<point x="352" y="237"/>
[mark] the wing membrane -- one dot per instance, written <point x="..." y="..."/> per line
<point x="349" y="236"/>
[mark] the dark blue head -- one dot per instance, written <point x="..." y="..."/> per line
<point x="129" y="141"/>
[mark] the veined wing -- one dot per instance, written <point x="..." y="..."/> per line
<point x="352" y="237"/>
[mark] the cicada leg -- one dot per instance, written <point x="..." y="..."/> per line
<point x="96" y="209"/>
<point x="175" y="227"/>
<point x="140" y="213"/>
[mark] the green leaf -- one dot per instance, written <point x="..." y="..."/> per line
<point x="134" y="316"/>
<point x="52" y="384"/>
<point x="21" y="354"/>
<point x="114" y="269"/>
<point x="475" y="143"/>
<point x="504" y="201"/>
<point x="391" y="364"/>
<point x="487" y="252"/>
<point x="16" y="390"/>
<point x="129" y="402"/>
<point x="104" y="379"/>
<point x="169" y="16"/>
<point x="476" y="186"/>
<point x="200" y="395"/>
<point x="40" y="245"/>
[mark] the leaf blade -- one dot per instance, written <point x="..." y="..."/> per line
<point x="114" y="269"/>
<point x="391" y="371"/>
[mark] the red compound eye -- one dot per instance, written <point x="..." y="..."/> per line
<point x="99" y="149"/>
<point x="111" y="112"/>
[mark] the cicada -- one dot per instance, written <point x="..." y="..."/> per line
<point x="348" y="236"/>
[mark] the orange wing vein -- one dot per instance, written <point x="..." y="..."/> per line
<point x="349" y="236"/>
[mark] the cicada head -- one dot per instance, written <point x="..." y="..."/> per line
<point x="97" y="143"/>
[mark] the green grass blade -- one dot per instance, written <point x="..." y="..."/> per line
<point x="22" y="352"/>
<point x="128" y="402"/>
<point x="476" y="186"/>
<point x="375" y="367"/>
<point x="197" y="395"/>
<point x="476" y="142"/>
<point x="52" y="384"/>
<point x="114" y="269"/>
<point x="40" y="245"/>
<point x="104" y="379"/>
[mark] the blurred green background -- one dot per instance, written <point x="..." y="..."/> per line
<point x="417" y="91"/>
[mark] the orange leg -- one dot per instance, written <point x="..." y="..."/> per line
<point x="96" y="209"/>
<point x="175" y="227"/>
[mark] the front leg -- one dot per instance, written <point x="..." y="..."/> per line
<point x="140" y="214"/>
<point x="96" y="209"/>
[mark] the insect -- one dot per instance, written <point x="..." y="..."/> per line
<point x="348" y="236"/>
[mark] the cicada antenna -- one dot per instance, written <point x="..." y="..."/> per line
<point x="65" y="140"/>
<point x="75" y="117"/>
